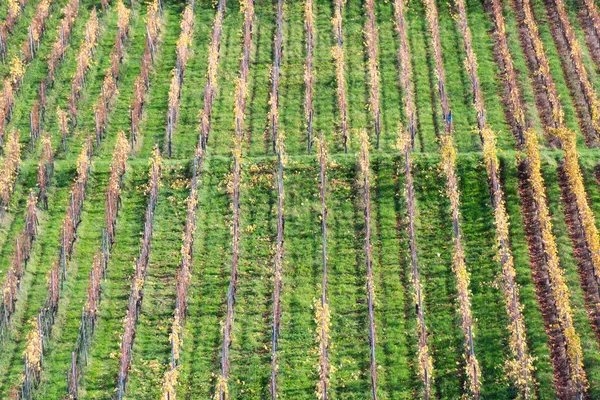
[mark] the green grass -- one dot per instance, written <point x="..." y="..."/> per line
<point x="298" y="355"/>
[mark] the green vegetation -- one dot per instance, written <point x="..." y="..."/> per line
<point x="398" y="375"/>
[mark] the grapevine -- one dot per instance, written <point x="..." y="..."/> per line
<point x="322" y="312"/>
<point x="542" y="68"/>
<point x="405" y="69"/>
<point x="142" y="82"/>
<point x="448" y="166"/>
<point x="406" y="142"/>
<point x="15" y="8"/>
<point x="84" y="60"/>
<point x="9" y="170"/>
<point x="425" y="366"/>
<point x="25" y="239"/>
<point x="70" y="12"/>
<point x="371" y="39"/>
<point x="45" y="170"/>
<point x="23" y="245"/>
<point x="63" y="124"/>
<point x="12" y="84"/>
<point x="99" y="264"/>
<point x="593" y="15"/>
<point x="183" y="49"/>
<point x="566" y="140"/>
<point x="520" y="366"/>
<point x="278" y="262"/>
<point x="137" y="283"/>
<point x="241" y="94"/>
<point x="558" y="285"/>
<point x="576" y="57"/>
<point x="273" y="117"/>
<point x="509" y="74"/>
<point x="340" y="70"/>
<point x="110" y="89"/>
<point x="309" y="74"/>
<point x="36" y="30"/>
<point x="575" y="179"/>
<point x="365" y="176"/>
<point x="46" y="316"/>
<point x="210" y="89"/>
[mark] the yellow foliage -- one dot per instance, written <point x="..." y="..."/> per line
<point x="17" y="70"/>
<point x="10" y="168"/>
<point x="14" y="9"/>
<point x="222" y="388"/>
<point x="170" y="384"/>
<point x="544" y="66"/>
<point x="575" y="179"/>
<point x="123" y="14"/>
<point x="560" y="290"/>
<point x="323" y="320"/>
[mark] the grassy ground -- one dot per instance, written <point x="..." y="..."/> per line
<point x="250" y="353"/>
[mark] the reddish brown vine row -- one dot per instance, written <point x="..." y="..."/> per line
<point x="273" y="116"/>
<point x="406" y="143"/>
<point x="210" y="89"/>
<point x="7" y="100"/>
<point x="42" y="324"/>
<point x="322" y="313"/>
<point x="15" y="9"/>
<point x="241" y="94"/>
<point x="520" y="366"/>
<point x="309" y="73"/>
<point x="137" y="283"/>
<point x="89" y="315"/>
<point x="142" y="82"/>
<point x="577" y="380"/>
<point x="371" y="41"/>
<point x="448" y="165"/>
<point x="340" y="70"/>
<point x="183" y="51"/>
